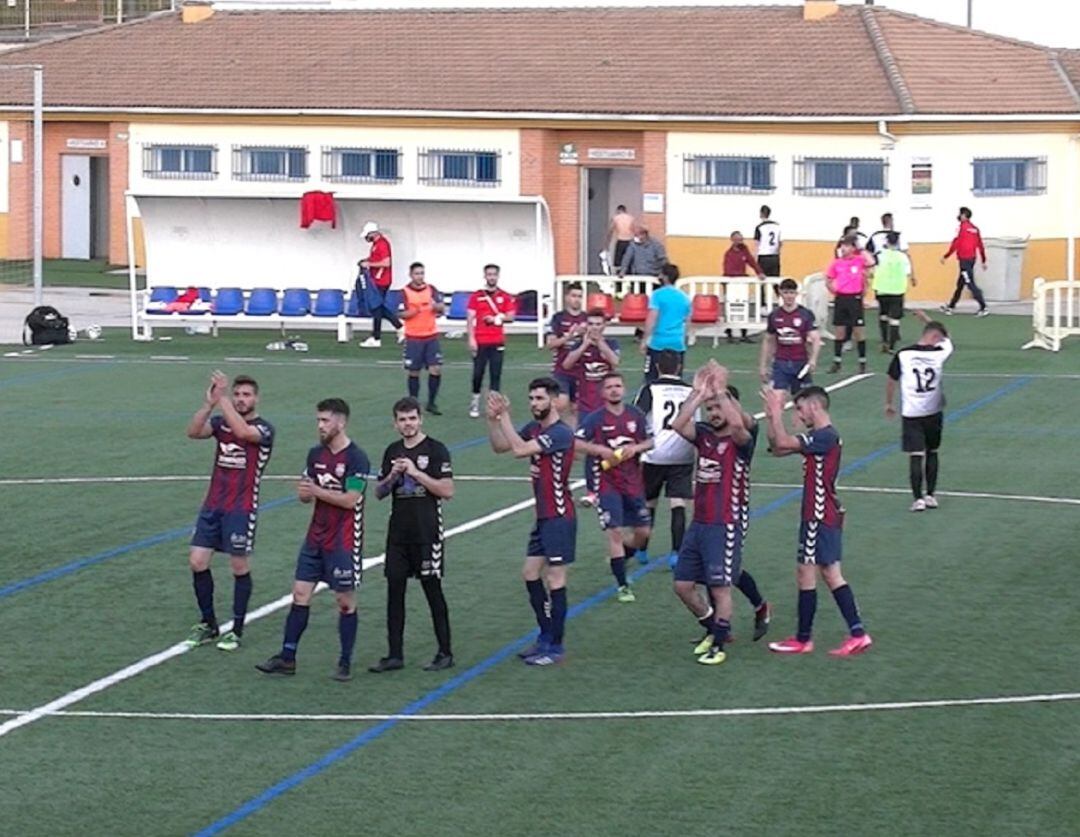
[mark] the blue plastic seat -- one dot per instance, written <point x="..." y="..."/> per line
<point x="205" y="295"/>
<point x="459" y="306"/>
<point x="329" y="302"/>
<point x="263" y="301"/>
<point x="162" y="296"/>
<point x="229" y="301"/>
<point x="296" y="302"/>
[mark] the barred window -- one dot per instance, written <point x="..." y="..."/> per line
<point x="260" y="162"/>
<point x="180" y="162"/>
<point x="858" y="177"/>
<point x="362" y="165"/>
<point x="439" y="167"/>
<point x="1008" y="176"/>
<point x="727" y="175"/>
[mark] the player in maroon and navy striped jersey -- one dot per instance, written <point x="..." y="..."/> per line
<point x="822" y="517"/>
<point x="228" y="516"/>
<point x="335" y="479"/>
<point x="549" y="444"/>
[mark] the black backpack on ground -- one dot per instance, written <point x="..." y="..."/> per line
<point x="46" y="326"/>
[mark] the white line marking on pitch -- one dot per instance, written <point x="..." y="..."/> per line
<point x="168" y="478"/>
<point x="965" y="495"/>
<point x="636" y="715"/>
<point x="126" y="673"/>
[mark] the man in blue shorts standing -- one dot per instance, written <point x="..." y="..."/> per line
<point x="789" y="352"/>
<point x="822" y="517"/>
<point x="335" y="480"/>
<point x="665" y="324"/>
<point x="566" y="328"/>
<point x="615" y="436"/>
<point x="711" y="552"/>
<point x="549" y="444"/>
<point x="230" y="511"/>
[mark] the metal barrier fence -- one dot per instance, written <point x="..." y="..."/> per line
<point x="1055" y="314"/>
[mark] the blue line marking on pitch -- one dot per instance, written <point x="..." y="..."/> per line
<point x="270" y="794"/>
<point x="153" y="540"/>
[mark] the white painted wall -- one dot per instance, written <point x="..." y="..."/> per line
<point x="920" y="217"/>
<point x="249" y="242"/>
<point x="5" y="169"/>
<point x="409" y="140"/>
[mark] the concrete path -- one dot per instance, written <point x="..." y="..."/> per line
<point x="82" y="306"/>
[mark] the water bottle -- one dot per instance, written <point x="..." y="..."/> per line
<point x="277" y="346"/>
<point x="298" y="345"/>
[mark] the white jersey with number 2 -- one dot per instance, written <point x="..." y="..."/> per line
<point x="661" y="401"/>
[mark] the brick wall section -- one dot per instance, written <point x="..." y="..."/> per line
<point x="560" y="185"/>
<point x="20" y="194"/>
<point x="118" y="184"/>
<point x="56" y="137"/>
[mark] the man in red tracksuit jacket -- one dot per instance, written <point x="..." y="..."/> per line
<point x="967" y="245"/>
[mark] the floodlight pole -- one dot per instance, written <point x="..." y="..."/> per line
<point x="39" y="178"/>
<point x="969" y="4"/>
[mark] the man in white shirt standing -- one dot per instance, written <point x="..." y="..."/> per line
<point x="919" y="369"/>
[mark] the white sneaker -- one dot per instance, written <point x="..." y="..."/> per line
<point x="929" y="501"/>
<point x="401" y="337"/>
<point x="985" y="312"/>
<point x="371" y="343"/>
<point x="474" y="407"/>
<point x="945" y="309"/>
<point x="918" y="505"/>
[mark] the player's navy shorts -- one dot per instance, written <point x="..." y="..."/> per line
<point x="819" y="544"/>
<point x="891" y="306"/>
<point x="617" y="510"/>
<point x="422" y="354"/>
<point x="567" y="384"/>
<point x="848" y="310"/>
<point x="676" y="480"/>
<point x="339" y="568"/>
<point x="553" y="538"/>
<point x="223" y="531"/>
<point x="921" y="434"/>
<point x="711" y="554"/>
<point x="415" y="560"/>
<point x="785" y="375"/>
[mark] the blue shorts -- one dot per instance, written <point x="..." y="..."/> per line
<point x="230" y="532"/>
<point x="618" y="510"/>
<point x="422" y="354"/>
<point x="785" y="375"/>
<point x="567" y="384"/>
<point x="554" y="539"/>
<point x="711" y="554"/>
<point x="341" y="569"/>
<point x="819" y="544"/>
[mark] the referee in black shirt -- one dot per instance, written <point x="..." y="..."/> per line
<point x="416" y="470"/>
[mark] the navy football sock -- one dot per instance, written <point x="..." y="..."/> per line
<point x="861" y="347"/>
<point x="618" y="569"/>
<point x="347" y="632"/>
<point x="414" y="386"/>
<point x="721" y="630"/>
<point x="558" y="615"/>
<point x="295" y="623"/>
<point x="915" y="469"/>
<point x="203" y="582"/>
<point x="845" y="600"/>
<point x="241" y="596"/>
<point x="433" y="382"/>
<point x="678" y="527"/>
<point x="541" y="607"/>
<point x="807" y="608"/>
<point x="708" y="619"/>
<point x="748" y="587"/>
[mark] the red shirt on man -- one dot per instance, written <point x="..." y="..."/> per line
<point x="485" y="303"/>
<point x="968" y="243"/>
<point x="383" y="277"/>
<point x="737" y="259"/>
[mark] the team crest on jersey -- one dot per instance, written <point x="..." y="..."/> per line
<point x="422" y="461"/>
<point x="797" y="322"/>
<point x="631" y="426"/>
<point x="339" y="470"/>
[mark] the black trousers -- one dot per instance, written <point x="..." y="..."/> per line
<point x="487" y="356"/>
<point x="967" y="277"/>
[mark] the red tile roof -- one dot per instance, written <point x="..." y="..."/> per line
<point x="745" y="61"/>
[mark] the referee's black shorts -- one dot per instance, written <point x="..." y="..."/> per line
<point x="848" y="311"/>
<point x="414" y="560"/>
<point x="677" y="481"/>
<point x="918" y="435"/>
